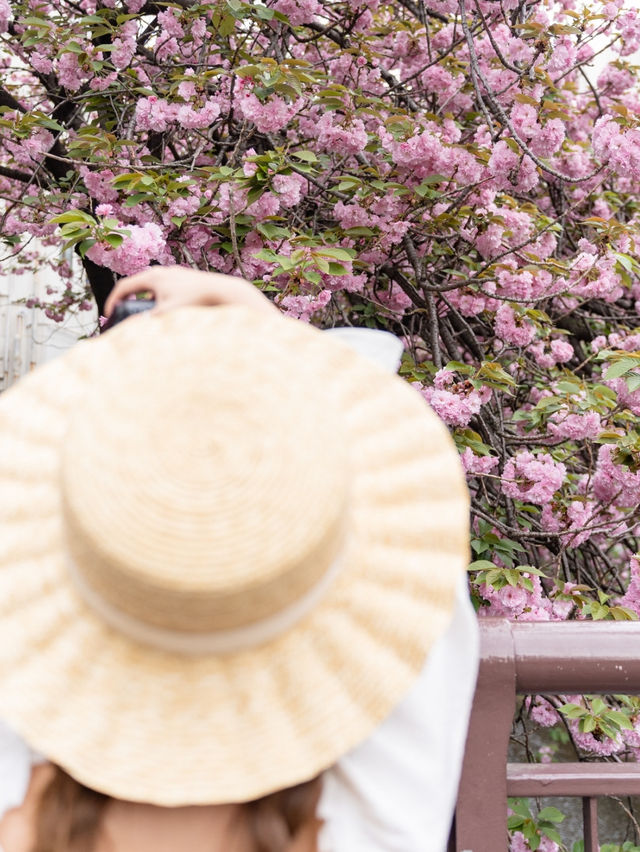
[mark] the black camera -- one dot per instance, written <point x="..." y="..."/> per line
<point x="128" y="308"/>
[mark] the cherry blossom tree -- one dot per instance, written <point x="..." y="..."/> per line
<point x="465" y="173"/>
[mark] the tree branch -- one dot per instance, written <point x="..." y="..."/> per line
<point x="23" y="177"/>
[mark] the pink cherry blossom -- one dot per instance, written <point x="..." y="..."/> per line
<point x="344" y="138"/>
<point x="572" y="523"/>
<point x="532" y="478"/>
<point x="456" y="409"/>
<point x="144" y="244"/>
<point x="478" y="465"/>
<point x="5" y="15"/>
<point x="154" y="113"/>
<point x="70" y="75"/>
<point x="512" y="328"/>
<point x="269" y="116"/>
<point x="511" y="171"/>
<point x="303" y="307"/>
<point x="603" y="747"/>
<point x="574" y="426"/>
<point x="289" y="188"/>
<point x="612" y="482"/>
<point x="631" y="598"/>
<point x="298" y="11"/>
<point x="563" y="56"/>
<point x="544" y="713"/>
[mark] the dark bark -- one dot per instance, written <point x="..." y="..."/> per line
<point x="101" y="281"/>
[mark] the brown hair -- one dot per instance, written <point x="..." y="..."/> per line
<point x="69" y="815"/>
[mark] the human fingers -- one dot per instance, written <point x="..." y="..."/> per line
<point x="129" y="287"/>
<point x="177" y="286"/>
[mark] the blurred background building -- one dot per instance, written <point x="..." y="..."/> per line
<point x="29" y="337"/>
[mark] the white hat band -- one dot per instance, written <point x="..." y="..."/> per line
<point x="211" y="642"/>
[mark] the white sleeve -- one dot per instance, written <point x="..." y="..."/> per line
<point x="396" y="791"/>
<point x="16" y="760"/>
<point x="381" y="347"/>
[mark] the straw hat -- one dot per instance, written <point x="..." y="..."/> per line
<point x="227" y="544"/>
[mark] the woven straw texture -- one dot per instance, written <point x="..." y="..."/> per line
<point x="203" y="469"/>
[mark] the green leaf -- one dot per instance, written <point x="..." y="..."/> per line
<point x="138" y="198"/>
<point x="610" y="731"/>
<point x="92" y="19"/>
<point x="34" y="21"/>
<point x="114" y="240"/>
<point x="73" y="216"/>
<point x="85" y="245"/>
<point x="49" y="123"/>
<point x="266" y="254"/>
<point x="621" y="367"/>
<point x="128" y="180"/>
<point x="359" y="232"/>
<point x="272" y="231"/>
<point x="572" y="711"/>
<point x="264" y="13"/>
<point x="568" y="387"/>
<point x="519" y="806"/>
<point x="306" y="156"/>
<point x="227" y="25"/>
<point x="620" y="719"/>
<point x="248" y="71"/>
<point x="481" y="565"/>
<point x="431" y="179"/>
<point x="531" y="835"/>
<point x="73" y="47"/>
<point x="587" y="724"/>
<point x="550" y="832"/>
<point x="623" y="613"/>
<point x="347" y="182"/>
<point x="551" y="814"/>
<point x="626" y="261"/>
<point x="335" y="253"/>
<point x="599" y="612"/>
<point x="494" y="372"/>
<point x="254" y="193"/>
<point x="459" y="367"/>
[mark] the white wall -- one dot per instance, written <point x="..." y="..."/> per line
<point x="27" y="336"/>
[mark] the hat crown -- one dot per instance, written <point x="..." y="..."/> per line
<point x="204" y="489"/>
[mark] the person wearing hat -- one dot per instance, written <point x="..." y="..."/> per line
<point x="233" y="614"/>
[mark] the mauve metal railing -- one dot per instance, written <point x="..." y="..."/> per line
<point x="528" y="658"/>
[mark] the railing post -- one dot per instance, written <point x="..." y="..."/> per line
<point x="481" y="817"/>
<point x="590" y="820"/>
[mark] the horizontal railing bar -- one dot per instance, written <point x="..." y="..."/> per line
<point x="577" y="656"/>
<point x="573" y="779"/>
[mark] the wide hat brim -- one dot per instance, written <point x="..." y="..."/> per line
<point x="140" y="724"/>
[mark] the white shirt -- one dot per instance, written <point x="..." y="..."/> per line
<point x="396" y="791"/>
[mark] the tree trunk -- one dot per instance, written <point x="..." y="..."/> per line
<point x="101" y="280"/>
